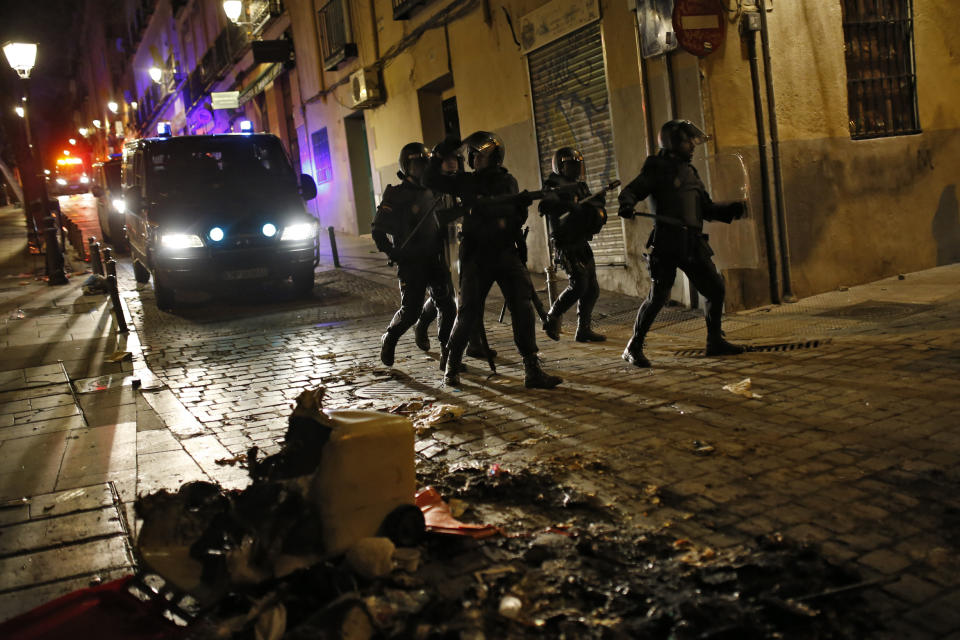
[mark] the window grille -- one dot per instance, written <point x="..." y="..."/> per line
<point x="336" y="37"/>
<point x="881" y="68"/>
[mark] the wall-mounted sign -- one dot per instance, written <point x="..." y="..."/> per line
<point x="555" y="19"/>
<point x="700" y="25"/>
<point x="225" y="99"/>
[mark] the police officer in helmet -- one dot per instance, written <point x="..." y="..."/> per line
<point x="681" y="205"/>
<point x="489" y="250"/>
<point x="574" y="217"/>
<point x="407" y="229"/>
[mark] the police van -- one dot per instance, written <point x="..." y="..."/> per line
<point x="217" y="211"/>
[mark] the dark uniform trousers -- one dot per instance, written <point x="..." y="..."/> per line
<point x="416" y="278"/>
<point x="478" y="273"/>
<point x="577" y="261"/>
<point x="703" y="274"/>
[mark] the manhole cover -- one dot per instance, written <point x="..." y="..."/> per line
<point x="387" y="389"/>
<point x="876" y="310"/>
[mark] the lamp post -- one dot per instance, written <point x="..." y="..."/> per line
<point x="21" y="56"/>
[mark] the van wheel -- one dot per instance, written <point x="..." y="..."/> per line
<point x="164" y="296"/>
<point x="303" y="282"/>
<point x="404" y="526"/>
<point x="140" y="273"/>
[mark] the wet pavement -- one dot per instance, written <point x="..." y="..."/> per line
<point x="848" y="440"/>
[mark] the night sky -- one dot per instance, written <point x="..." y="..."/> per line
<point x="54" y="26"/>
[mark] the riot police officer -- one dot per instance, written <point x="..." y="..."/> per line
<point x="489" y="250"/>
<point x="406" y="228"/>
<point x="477" y="347"/>
<point x="573" y="218"/>
<point x="681" y="204"/>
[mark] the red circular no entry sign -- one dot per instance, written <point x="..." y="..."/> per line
<point x="700" y="25"/>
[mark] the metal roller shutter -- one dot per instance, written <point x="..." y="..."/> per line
<point x="570" y="108"/>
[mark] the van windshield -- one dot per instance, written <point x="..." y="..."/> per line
<point x="205" y="163"/>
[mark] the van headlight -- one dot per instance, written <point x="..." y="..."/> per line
<point x="180" y="241"/>
<point x="301" y="231"/>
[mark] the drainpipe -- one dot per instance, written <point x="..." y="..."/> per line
<point x="749" y="25"/>
<point x="775" y="149"/>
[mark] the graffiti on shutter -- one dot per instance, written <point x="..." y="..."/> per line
<point x="571" y="108"/>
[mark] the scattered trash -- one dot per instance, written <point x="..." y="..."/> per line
<point x="430" y="417"/>
<point x="438" y="518"/>
<point x="702" y="448"/>
<point x="371" y="557"/>
<point x="494" y="470"/>
<point x="406" y="559"/>
<point x="94" y="285"/>
<point x="901" y="276"/>
<point x="18" y="314"/>
<point x="843" y="288"/>
<point x="510" y="607"/>
<point x="118" y="356"/>
<point x="240" y="459"/>
<point x="742" y="388"/>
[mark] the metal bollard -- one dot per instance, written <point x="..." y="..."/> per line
<point x="333" y="248"/>
<point x="109" y="263"/>
<point x="115" y="299"/>
<point x="54" y="258"/>
<point x="96" y="262"/>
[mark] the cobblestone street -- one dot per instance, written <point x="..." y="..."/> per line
<point x="850" y="439"/>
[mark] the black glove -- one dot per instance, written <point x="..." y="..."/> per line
<point x="448" y="146"/>
<point x="524" y="199"/>
<point x="737" y="210"/>
<point x="626" y="211"/>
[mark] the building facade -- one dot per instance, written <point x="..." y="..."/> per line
<point x="861" y="174"/>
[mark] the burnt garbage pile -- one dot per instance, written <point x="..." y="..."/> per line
<point x="328" y="542"/>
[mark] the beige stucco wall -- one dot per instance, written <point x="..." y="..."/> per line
<point x="857" y="210"/>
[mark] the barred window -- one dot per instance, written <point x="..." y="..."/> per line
<point x="881" y="68"/>
<point x="336" y="37"/>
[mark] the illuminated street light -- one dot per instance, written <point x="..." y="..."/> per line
<point x="96" y="123"/>
<point x="21" y="56"/>
<point x="113" y="106"/>
<point x="134" y="104"/>
<point x="233" y="9"/>
<point x="72" y="141"/>
<point x="156" y="74"/>
<point x="19" y="110"/>
<point x="83" y="131"/>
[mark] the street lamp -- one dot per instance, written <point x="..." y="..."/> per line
<point x="233" y="9"/>
<point x="156" y="74"/>
<point x="96" y="123"/>
<point x="113" y="106"/>
<point x="19" y="111"/>
<point x="83" y="131"/>
<point x="21" y="56"/>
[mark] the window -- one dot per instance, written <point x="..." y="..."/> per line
<point x="321" y="156"/>
<point x="881" y="73"/>
<point x="336" y="38"/>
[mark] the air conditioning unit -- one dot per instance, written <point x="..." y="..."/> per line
<point x="365" y="89"/>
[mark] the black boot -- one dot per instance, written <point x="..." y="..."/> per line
<point x="388" y="342"/>
<point x="451" y="376"/>
<point x="718" y="346"/>
<point x="586" y="334"/>
<point x="420" y="335"/>
<point x="535" y="377"/>
<point x="552" y="326"/>
<point x="634" y="354"/>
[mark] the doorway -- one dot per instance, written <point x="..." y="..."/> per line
<point x="361" y="177"/>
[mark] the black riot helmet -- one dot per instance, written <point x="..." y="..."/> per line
<point x="568" y="162"/>
<point x="679" y="137"/>
<point x="438" y="152"/>
<point x="413" y="160"/>
<point x="484" y="144"/>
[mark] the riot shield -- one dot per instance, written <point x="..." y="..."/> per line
<point x="736" y="245"/>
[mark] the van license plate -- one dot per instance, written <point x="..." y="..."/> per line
<point x="245" y="274"/>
